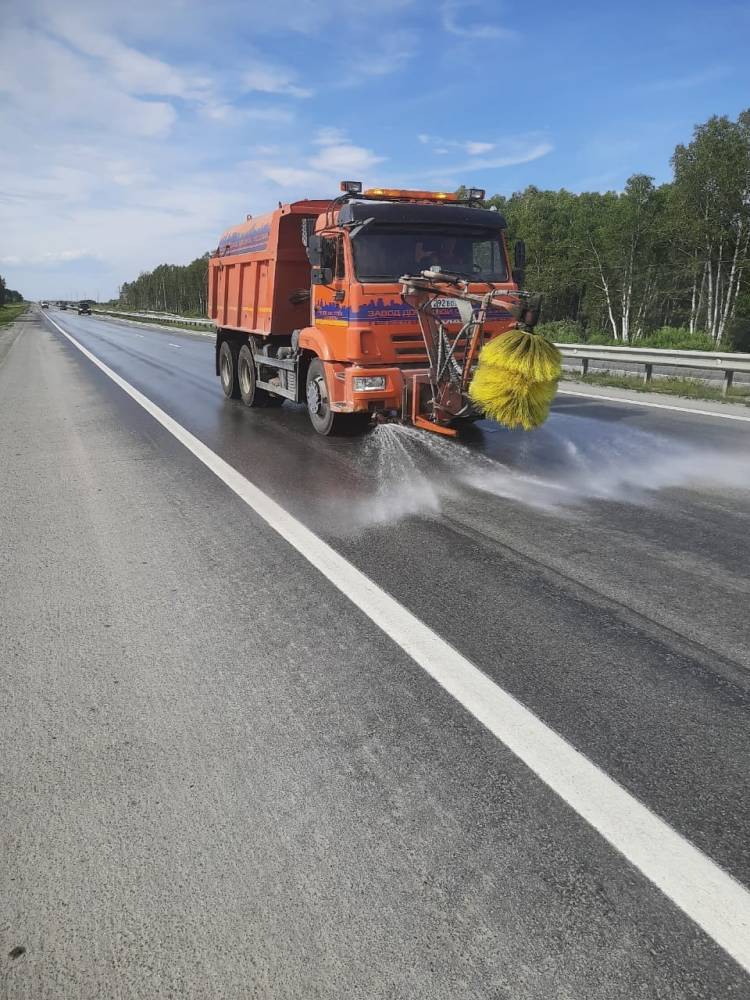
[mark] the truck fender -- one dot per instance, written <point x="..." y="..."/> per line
<point x="311" y="339"/>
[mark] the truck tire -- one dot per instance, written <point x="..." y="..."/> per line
<point x="246" y="377"/>
<point x="228" y="370"/>
<point x="323" y="419"/>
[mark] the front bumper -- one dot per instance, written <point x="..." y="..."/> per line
<point x="344" y="398"/>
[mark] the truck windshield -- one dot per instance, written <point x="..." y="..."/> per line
<point x="384" y="253"/>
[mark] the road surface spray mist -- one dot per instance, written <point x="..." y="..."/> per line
<point x="557" y="468"/>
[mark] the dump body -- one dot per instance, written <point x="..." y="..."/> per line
<point x="257" y="268"/>
<point x="348" y="314"/>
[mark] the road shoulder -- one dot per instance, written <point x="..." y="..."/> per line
<point x="654" y="399"/>
<point x="9" y="334"/>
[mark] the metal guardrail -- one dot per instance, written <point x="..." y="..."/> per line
<point x="649" y="357"/>
<point x="176" y="320"/>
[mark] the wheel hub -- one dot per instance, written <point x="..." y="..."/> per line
<point x="244" y="376"/>
<point x="314" y="396"/>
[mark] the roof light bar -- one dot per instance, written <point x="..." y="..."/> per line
<point x="399" y="194"/>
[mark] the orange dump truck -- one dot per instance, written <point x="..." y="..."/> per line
<point x="325" y="303"/>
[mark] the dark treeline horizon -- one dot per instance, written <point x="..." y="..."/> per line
<point x="8" y="295"/>
<point x="174" y="288"/>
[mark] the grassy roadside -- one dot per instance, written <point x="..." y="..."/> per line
<point x="156" y="322"/>
<point x="11" y="311"/>
<point x="687" y="388"/>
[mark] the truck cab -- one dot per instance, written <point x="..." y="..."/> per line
<point x="335" y="274"/>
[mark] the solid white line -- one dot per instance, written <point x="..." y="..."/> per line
<point x="696" y="884"/>
<point x="656" y="406"/>
<point x="177" y="346"/>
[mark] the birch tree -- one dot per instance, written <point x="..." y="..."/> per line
<point x="712" y="198"/>
<point x="620" y="238"/>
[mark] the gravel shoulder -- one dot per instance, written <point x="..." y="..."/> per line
<point x="10" y="333"/>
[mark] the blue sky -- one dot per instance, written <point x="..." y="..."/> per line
<point x="135" y="132"/>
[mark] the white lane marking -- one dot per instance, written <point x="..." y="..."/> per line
<point x="656" y="406"/>
<point x="697" y="885"/>
<point x="177" y="346"/>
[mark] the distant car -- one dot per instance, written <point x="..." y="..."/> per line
<point x="85" y="308"/>
<point x="44" y="305"/>
<point x="63" y="305"/>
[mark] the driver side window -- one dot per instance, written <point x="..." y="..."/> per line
<point x="333" y="255"/>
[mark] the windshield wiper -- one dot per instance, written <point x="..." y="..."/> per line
<point x="357" y="229"/>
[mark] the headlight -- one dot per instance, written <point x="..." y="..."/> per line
<point x="363" y="383"/>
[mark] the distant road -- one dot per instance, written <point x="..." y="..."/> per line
<point x="233" y="767"/>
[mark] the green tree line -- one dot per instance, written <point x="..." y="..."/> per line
<point x="623" y="265"/>
<point x="652" y="261"/>
<point x="169" y="288"/>
<point x="7" y="295"/>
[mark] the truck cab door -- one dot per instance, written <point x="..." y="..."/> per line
<point x="330" y="292"/>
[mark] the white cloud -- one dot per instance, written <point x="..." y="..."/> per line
<point x="293" y="177"/>
<point x="441" y="146"/>
<point x="272" y="116"/>
<point x="132" y="70"/>
<point x="273" y="80"/>
<point x="128" y="173"/>
<point x="460" y="18"/>
<point x="512" y="151"/>
<point x="687" y="82"/>
<point x="329" y="135"/>
<point x="220" y="112"/>
<point x="345" y="159"/>
<point x="67" y="88"/>
<point x="49" y="257"/>
<point x="332" y="162"/>
<point x="381" y="53"/>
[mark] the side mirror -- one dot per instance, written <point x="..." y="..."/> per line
<point x="308" y="230"/>
<point x="519" y="262"/>
<point x="314" y="248"/>
<point x="527" y="311"/>
<point x="321" y="275"/>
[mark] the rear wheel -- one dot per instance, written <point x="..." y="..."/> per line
<point x="228" y="370"/>
<point x="247" y="377"/>
<point x="323" y="419"/>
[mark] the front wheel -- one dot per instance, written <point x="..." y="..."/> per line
<point x="322" y="417"/>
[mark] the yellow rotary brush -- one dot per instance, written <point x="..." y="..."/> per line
<point x="527" y="353"/>
<point x="516" y="379"/>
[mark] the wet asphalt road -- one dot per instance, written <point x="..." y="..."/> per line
<point x="222" y="780"/>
